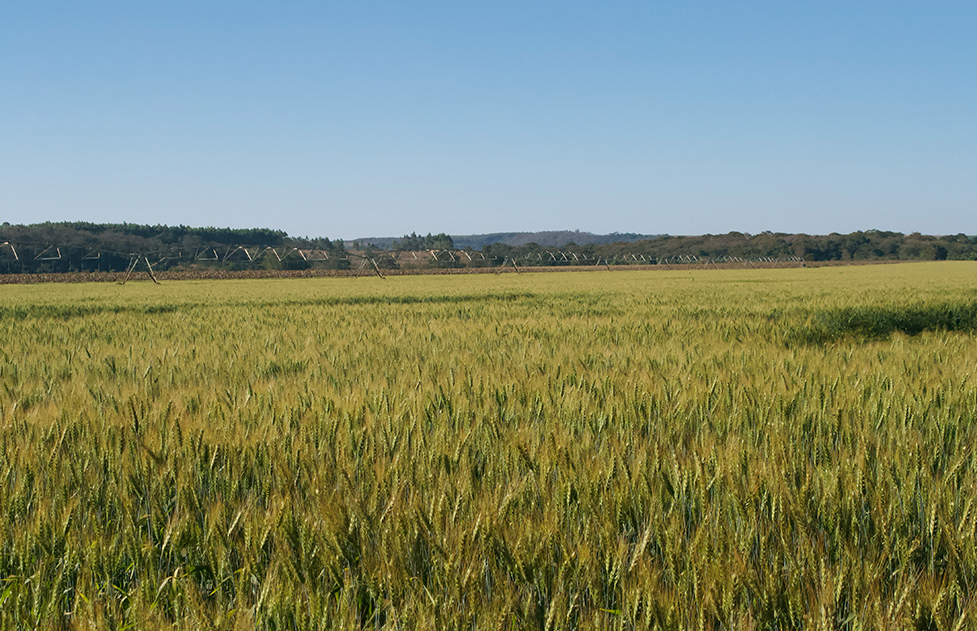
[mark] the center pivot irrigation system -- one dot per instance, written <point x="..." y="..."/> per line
<point x="375" y="261"/>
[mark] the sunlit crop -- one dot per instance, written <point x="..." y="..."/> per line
<point x="728" y="449"/>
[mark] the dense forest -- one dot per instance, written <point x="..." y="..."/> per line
<point x="413" y="242"/>
<point x="87" y="247"/>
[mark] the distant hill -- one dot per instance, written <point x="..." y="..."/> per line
<point x="548" y="238"/>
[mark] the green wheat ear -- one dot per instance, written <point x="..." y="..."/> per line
<point x="570" y="451"/>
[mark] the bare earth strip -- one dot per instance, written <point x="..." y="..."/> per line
<point x="112" y="277"/>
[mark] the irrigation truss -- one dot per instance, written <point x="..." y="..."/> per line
<point x="238" y="260"/>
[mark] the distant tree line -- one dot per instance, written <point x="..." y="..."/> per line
<point x="552" y="238"/>
<point x="869" y="245"/>
<point x="86" y="247"/>
<point x="414" y="242"/>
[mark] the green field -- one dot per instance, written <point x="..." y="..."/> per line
<point x="751" y="449"/>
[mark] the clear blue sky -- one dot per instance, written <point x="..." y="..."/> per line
<point x="348" y="119"/>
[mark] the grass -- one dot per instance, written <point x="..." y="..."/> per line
<point x="761" y="449"/>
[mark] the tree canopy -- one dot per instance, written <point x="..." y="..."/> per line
<point x="85" y="247"/>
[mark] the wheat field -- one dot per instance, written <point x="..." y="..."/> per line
<point x="714" y="449"/>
